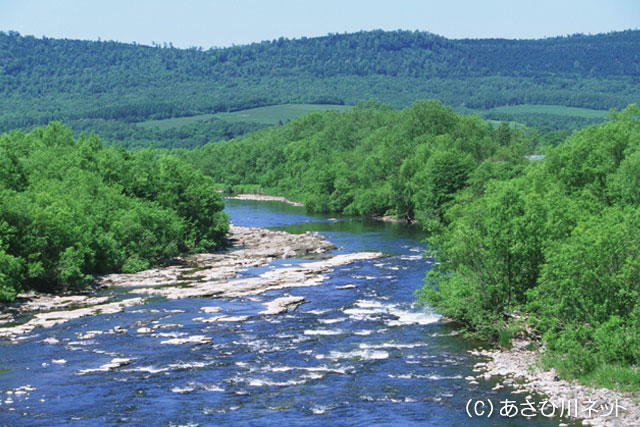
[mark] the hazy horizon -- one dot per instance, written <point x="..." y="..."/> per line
<point x="206" y="24"/>
<point x="314" y="36"/>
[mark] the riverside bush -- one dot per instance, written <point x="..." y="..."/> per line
<point x="73" y="208"/>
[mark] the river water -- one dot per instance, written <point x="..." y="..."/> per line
<point x="364" y="355"/>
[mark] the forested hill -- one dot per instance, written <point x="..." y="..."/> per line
<point x="42" y="79"/>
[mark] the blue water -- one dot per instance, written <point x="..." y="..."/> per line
<point x="361" y="356"/>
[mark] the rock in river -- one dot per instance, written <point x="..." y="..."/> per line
<point x="282" y="305"/>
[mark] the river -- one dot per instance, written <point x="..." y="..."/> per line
<point x="352" y="355"/>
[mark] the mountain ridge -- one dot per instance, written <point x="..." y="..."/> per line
<point x="59" y="79"/>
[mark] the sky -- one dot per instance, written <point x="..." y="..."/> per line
<point x="216" y="23"/>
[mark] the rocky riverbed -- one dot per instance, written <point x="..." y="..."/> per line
<point x="520" y="369"/>
<point x="202" y="275"/>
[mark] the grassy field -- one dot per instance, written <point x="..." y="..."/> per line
<point x="271" y="115"/>
<point x="558" y="110"/>
<point x="274" y="114"/>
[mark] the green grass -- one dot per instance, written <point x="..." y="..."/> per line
<point x="505" y="336"/>
<point x="558" y="110"/>
<point x="623" y="378"/>
<point x="271" y="115"/>
<point x="603" y="375"/>
<point x="275" y="114"/>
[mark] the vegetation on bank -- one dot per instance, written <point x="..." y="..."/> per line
<point x="72" y="208"/>
<point x="560" y="242"/>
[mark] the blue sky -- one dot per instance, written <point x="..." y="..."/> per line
<point x="223" y="23"/>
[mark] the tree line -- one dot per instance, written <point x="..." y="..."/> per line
<point x="49" y="79"/>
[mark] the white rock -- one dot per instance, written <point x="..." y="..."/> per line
<point x="223" y="318"/>
<point x="193" y="339"/>
<point x="115" y="363"/>
<point x="282" y="305"/>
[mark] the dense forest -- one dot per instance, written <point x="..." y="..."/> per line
<point x="70" y="208"/>
<point x="556" y="238"/>
<point x="48" y="79"/>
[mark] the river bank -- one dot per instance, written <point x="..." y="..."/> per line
<point x="520" y="368"/>
<point x="202" y="275"/>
